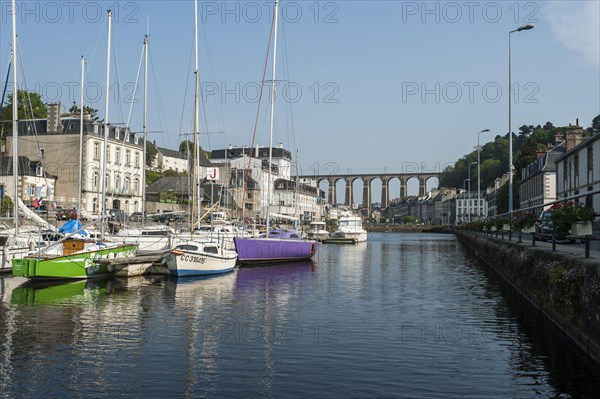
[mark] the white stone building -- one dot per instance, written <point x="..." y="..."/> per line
<point x="578" y="170"/>
<point x="55" y="143"/>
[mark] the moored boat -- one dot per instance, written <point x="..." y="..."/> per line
<point x="196" y="257"/>
<point x="317" y="231"/>
<point x="73" y="258"/>
<point x="350" y="228"/>
<point x="282" y="245"/>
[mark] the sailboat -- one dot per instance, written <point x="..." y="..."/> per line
<point x="17" y="241"/>
<point x="276" y="245"/>
<point x="150" y="239"/>
<point x="75" y="255"/>
<point x="195" y="256"/>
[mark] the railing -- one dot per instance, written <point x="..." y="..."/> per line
<point x="586" y="239"/>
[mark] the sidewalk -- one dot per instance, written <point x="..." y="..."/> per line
<point x="569" y="249"/>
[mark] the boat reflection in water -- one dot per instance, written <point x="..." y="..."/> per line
<point x="38" y="293"/>
<point x="201" y="288"/>
<point x="271" y="272"/>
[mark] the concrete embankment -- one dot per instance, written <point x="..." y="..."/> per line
<point x="564" y="287"/>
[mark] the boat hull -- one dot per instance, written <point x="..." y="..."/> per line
<point x="355" y="236"/>
<point x="266" y="250"/>
<point x="183" y="263"/>
<point x="76" y="266"/>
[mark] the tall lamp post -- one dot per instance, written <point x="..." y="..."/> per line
<point x="510" y="149"/>
<point x="479" y="173"/>
<point x="465" y="189"/>
<point x="469" y="197"/>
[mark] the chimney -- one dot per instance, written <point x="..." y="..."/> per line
<point x="574" y="136"/>
<point x="53" y="124"/>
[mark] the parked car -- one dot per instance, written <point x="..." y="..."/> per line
<point x="543" y="229"/>
<point x="137" y="217"/>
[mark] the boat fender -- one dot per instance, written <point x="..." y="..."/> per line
<point x="31" y="245"/>
<point x="110" y="268"/>
<point x="312" y="249"/>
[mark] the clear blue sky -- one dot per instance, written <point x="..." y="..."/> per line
<point x="384" y="84"/>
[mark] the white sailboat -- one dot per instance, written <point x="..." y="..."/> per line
<point x="18" y="241"/>
<point x="148" y="238"/>
<point x="74" y="257"/>
<point x="195" y="256"/>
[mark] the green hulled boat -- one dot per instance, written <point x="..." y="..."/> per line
<point x="72" y="259"/>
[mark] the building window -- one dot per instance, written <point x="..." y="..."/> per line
<point x="117" y="131"/>
<point x="95" y="128"/>
<point x="107" y="153"/>
<point x="118" y="156"/>
<point x="71" y="126"/>
<point x="127" y="157"/>
<point x="31" y="192"/>
<point x="136" y="185"/>
<point x="95" y="181"/>
<point x="117" y="182"/>
<point x="96" y="150"/>
<point x="135" y="139"/>
<point x="137" y="159"/>
<point x="39" y="170"/>
<point x="590" y="164"/>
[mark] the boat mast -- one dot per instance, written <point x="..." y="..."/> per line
<point x="195" y="169"/>
<point x="144" y="128"/>
<point x="15" y="117"/>
<point x="81" y="137"/>
<point x="103" y="165"/>
<point x="275" y="12"/>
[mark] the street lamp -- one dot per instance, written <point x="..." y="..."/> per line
<point x="464" y="189"/>
<point x="479" y="173"/>
<point x="469" y="200"/>
<point x="510" y="161"/>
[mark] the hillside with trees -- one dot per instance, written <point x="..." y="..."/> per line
<point x="494" y="158"/>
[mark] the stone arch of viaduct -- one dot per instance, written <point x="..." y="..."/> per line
<point x="367" y="179"/>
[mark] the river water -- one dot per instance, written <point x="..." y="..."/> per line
<point x="403" y="316"/>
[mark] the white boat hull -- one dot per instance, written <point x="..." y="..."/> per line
<point x="197" y="258"/>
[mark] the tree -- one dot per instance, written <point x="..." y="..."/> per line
<point x="92" y="112"/>
<point x="31" y="106"/>
<point x="525" y="130"/>
<point x="151" y="152"/>
<point x="186" y="147"/>
<point x="596" y="124"/>
<point x="6" y="205"/>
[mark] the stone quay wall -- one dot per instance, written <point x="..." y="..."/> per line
<point x="564" y="287"/>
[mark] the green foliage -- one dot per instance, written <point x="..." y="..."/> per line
<point x="564" y="213"/>
<point x="74" y="110"/>
<point x="556" y="274"/>
<point x="409" y="219"/>
<point x="6" y="204"/>
<point x="30" y="106"/>
<point x="151" y="152"/>
<point x="523" y="220"/>
<point x="152" y="177"/>
<point x="174" y="173"/>
<point x="596" y="124"/>
<point x="188" y="145"/>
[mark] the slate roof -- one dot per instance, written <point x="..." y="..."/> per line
<point x="27" y="167"/>
<point x="70" y="125"/>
